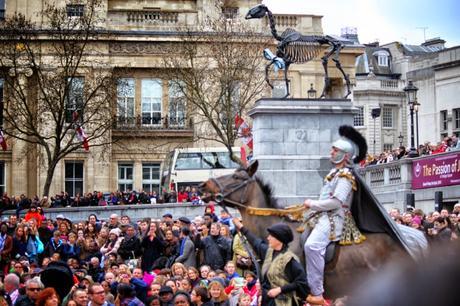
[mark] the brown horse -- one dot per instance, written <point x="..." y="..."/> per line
<point x="242" y="190"/>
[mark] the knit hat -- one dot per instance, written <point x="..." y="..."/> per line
<point x="282" y="232"/>
<point x="115" y="231"/>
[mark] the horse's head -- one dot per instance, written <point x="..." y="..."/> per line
<point x="231" y="189"/>
<point x="258" y="11"/>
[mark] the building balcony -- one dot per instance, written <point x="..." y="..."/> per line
<point x="143" y="126"/>
<point x="150" y="20"/>
<point x="391" y="86"/>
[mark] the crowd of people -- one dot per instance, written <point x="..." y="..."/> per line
<point x="125" y="262"/>
<point x="438" y="227"/>
<point x="21" y="202"/>
<point x="172" y="261"/>
<point x="448" y="144"/>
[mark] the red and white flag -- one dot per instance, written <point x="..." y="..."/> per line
<point x="81" y="135"/>
<point x="245" y="133"/>
<point x="3" y="141"/>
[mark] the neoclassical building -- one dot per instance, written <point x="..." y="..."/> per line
<point x="141" y="34"/>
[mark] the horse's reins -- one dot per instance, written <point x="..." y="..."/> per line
<point x="296" y="211"/>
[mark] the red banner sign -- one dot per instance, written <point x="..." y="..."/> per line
<point x="436" y="171"/>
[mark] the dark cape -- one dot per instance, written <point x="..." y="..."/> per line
<point x="371" y="217"/>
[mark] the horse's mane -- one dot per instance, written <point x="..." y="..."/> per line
<point x="267" y="189"/>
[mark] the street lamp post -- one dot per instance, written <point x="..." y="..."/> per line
<point x="311" y="92"/>
<point x="416" y="106"/>
<point x="411" y="92"/>
<point x="401" y="139"/>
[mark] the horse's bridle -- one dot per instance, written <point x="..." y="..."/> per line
<point x="294" y="212"/>
<point x="221" y="197"/>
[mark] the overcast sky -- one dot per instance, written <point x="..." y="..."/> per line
<point x="382" y="20"/>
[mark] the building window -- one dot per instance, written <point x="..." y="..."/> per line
<point x="125" y="177"/>
<point x="74" y="101"/>
<point x="2" y="177"/>
<point x="387" y="146"/>
<point x="125" y="100"/>
<point x="2" y="9"/>
<point x="230" y="12"/>
<point x="74" y="177"/>
<point x="383" y="60"/>
<point x="359" y="117"/>
<point x="387" y="117"/>
<point x="456" y="114"/>
<point x="151" y="101"/>
<point x="444" y="120"/>
<point x="177" y="104"/>
<point x="151" y="177"/>
<point x="75" y="10"/>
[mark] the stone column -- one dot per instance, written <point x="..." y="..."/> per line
<point x="292" y="142"/>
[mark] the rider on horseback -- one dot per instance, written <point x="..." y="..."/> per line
<point x="332" y="220"/>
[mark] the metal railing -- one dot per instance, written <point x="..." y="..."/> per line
<point x="152" y="123"/>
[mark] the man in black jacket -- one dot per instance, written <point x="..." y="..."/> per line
<point x="130" y="246"/>
<point x="284" y="281"/>
<point x="217" y="249"/>
<point x="33" y="288"/>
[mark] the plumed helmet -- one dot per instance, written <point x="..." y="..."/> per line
<point x="352" y="143"/>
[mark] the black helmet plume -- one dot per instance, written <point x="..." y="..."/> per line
<point x="350" y="133"/>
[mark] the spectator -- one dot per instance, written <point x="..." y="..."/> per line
<point x="80" y="296"/>
<point x="216" y="248"/>
<point x="182" y="298"/>
<point x="33" y="213"/>
<point x="186" y="249"/>
<point x="96" y="294"/>
<point x="127" y="296"/>
<point x="47" y="297"/>
<point x="33" y="288"/>
<point x="55" y="245"/>
<point x="6" y="246"/>
<point x="114" y="223"/>
<point x="11" y="285"/>
<point x="166" y="296"/>
<point x="217" y="294"/>
<point x="130" y="247"/>
<point x="113" y="244"/>
<point x="200" y="296"/>
<point x="152" y="246"/>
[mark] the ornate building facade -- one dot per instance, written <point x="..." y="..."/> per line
<point x="148" y="124"/>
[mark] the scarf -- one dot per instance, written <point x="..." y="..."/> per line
<point x="2" y="241"/>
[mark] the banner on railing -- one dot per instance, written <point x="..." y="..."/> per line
<point x="436" y="171"/>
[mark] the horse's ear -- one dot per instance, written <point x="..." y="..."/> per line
<point x="252" y="168"/>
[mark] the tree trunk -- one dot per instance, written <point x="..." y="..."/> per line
<point x="49" y="178"/>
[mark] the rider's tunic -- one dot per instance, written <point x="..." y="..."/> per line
<point x="334" y="201"/>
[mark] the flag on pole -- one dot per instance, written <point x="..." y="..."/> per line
<point x="244" y="132"/>
<point x="81" y="135"/>
<point x="3" y="141"/>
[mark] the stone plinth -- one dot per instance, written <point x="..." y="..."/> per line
<point x="292" y="142"/>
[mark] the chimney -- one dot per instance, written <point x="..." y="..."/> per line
<point x="435" y="42"/>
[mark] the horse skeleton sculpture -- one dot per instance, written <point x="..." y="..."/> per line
<point x="295" y="48"/>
